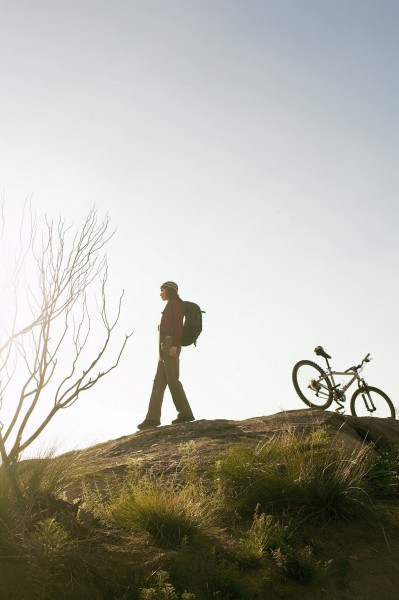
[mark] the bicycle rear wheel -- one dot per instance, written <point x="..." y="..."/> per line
<point x="371" y="402"/>
<point x="312" y="384"/>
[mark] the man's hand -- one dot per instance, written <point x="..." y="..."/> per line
<point x="173" y="351"/>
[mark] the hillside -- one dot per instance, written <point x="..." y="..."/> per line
<point x="326" y="486"/>
<point x="158" y="448"/>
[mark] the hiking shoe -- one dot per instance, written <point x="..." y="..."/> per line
<point x="183" y="420"/>
<point x="147" y="423"/>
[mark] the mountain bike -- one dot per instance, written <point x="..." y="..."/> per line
<point x="317" y="388"/>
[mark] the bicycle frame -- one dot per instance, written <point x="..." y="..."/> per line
<point x="318" y="388"/>
<point x="340" y="389"/>
<point x="356" y="377"/>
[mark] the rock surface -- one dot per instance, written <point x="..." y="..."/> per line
<point x="161" y="448"/>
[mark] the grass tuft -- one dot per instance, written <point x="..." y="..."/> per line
<point x="170" y="512"/>
<point x="298" y="474"/>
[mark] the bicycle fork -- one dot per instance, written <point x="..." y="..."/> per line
<point x="367" y="399"/>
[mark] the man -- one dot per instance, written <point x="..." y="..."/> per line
<point x="170" y="332"/>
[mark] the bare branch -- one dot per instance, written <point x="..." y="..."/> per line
<point x="65" y="266"/>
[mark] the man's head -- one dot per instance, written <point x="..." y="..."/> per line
<point x="169" y="290"/>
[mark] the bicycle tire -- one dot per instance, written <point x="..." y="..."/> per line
<point x="385" y="409"/>
<point x="303" y="374"/>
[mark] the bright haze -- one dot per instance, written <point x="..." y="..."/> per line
<point x="247" y="150"/>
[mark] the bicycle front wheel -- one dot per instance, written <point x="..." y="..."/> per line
<point x="371" y="402"/>
<point x="312" y="384"/>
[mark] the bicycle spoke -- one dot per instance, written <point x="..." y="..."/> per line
<point x="372" y="402"/>
<point x="312" y="384"/>
<point x="316" y="389"/>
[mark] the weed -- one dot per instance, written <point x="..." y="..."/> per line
<point x="46" y="549"/>
<point x="318" y="438"/>
<point x="10" y="520"/>
<point x="297" y="564"/>
<point x="225" y="581"/>
<point x="383" y="476"/>
<point x="161" y="589"/>
<point x="265" y="534"/>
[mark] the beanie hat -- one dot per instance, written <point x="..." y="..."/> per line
<point x="170" y="284"/>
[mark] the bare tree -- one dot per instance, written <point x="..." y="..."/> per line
<point x="51" y="347"/>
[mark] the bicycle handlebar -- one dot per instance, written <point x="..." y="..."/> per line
<point x="319" y="350"/>
<point x="358" y="367"/>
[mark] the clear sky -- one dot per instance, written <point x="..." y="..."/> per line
<point x="247" y="150"/>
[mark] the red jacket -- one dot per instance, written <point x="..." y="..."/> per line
<point x="172" y="321"/>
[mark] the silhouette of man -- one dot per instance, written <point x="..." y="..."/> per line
<point x="167" y="374"/>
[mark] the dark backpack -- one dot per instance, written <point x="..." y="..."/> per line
<point x="192" y="323"/>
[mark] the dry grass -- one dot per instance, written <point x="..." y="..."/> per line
<point x="304" y="475"/>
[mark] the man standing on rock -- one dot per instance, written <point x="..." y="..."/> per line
<point x="170" y="332"/>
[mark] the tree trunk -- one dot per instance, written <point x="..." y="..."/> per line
<point x="10" y="471"/>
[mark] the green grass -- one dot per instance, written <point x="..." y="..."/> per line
<point x="383" y="477"/>
<point x="230" y="533"/>
<point x="47" y="549"/>
<point x="297" y="564"/>
<point x="265" y="534"/>
<point x="304" y="475"/>
<point x="169" y="511"/>
<point x="161" y="589"/>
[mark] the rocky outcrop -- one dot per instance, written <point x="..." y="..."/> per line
<point x="161" y="448"/>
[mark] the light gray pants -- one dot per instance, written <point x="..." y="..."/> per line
<point x="167" y="375"/>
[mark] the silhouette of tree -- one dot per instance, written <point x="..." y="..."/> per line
<point x="56" y="332"/>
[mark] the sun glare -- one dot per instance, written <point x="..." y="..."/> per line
<point x="18" y="273"/>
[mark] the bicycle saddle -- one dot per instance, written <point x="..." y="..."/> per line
<point x="319" y="350"/>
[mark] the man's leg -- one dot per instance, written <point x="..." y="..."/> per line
<point x="158" y="390"/>
<point x="171" y="370"/>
